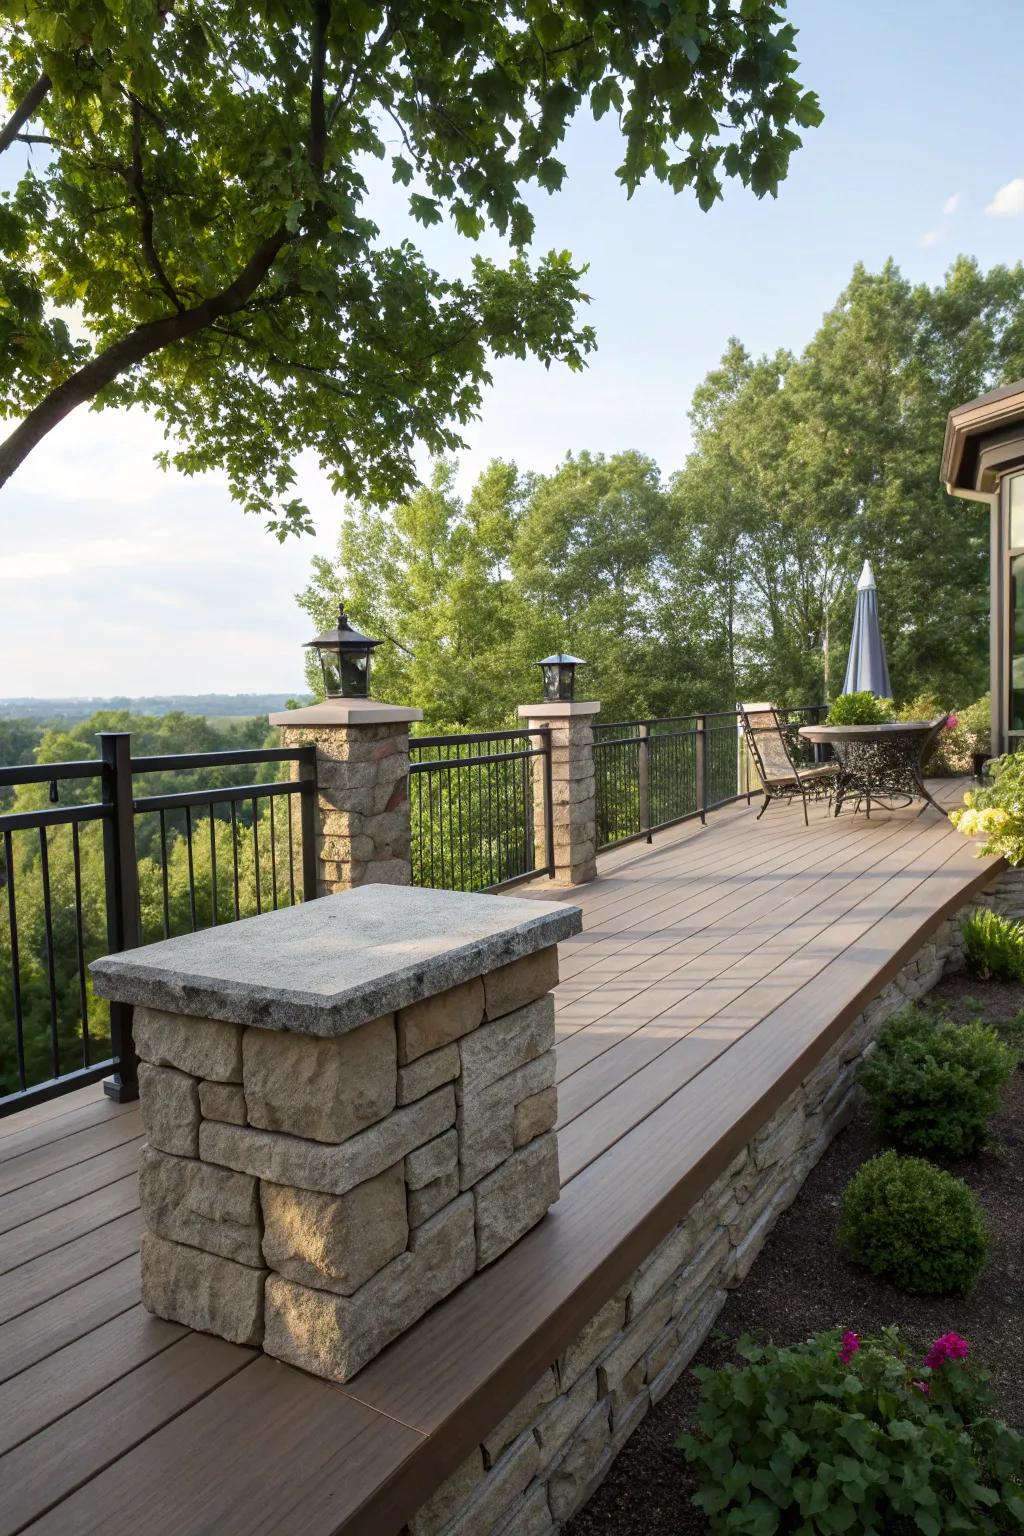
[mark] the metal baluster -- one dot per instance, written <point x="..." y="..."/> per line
<point x="273" y="855"/>
<point x="51" y="977"/>
<point x="163" y="874"/>
<point x="12" y="916"/>
<point x="256" y="856"/>
<point x="213" y="868"/>
<point x="191" y="869"/>
<point x="234" y="857"/>
<point x="83" y="991"/>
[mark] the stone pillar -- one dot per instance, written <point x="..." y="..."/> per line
<point x="573" y="786"/>
<point x="349" y="1108"/>
<point x="362" y="770"/>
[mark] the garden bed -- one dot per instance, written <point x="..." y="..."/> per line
<point x="803" y="1284"/>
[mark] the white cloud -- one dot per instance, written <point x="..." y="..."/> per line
<point x="930" y="236"/>
<point x="951" y="204"/>
<point x="1008" y="202"/>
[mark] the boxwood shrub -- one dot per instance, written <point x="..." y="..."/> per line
<point x="840" y="1434"/>
<point x="911" y="1223"/>
<point x="932" y="1086"/>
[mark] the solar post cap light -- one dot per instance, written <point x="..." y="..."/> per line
<point x="559" y="673"/>
<point x="344" y="656"/>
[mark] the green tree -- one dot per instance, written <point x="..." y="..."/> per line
<point x="201" y="197"/>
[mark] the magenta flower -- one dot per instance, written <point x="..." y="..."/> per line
<point x="922" y="1387"/>
<point x="949" y="1347"/>
<point x="951" y="722"/>
<point x="849" y="1346"/>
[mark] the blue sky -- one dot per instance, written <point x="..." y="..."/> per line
<point x="116" y="578"/>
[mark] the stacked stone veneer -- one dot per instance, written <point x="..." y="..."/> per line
<point x="316" y="1195"/>
<point x="363" y="834"/>
<point x="530" y="1473"/>
<point x="573" y="788"/>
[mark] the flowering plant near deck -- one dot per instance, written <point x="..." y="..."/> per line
<point x="996" y="812"/>
<point x="850" y="1434"/>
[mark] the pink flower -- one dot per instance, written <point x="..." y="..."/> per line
<point x="951" y="722"/>
<point x="949" y="1347"/>
<point x="922" y="1387"/>
<point x="849" y="1347"/>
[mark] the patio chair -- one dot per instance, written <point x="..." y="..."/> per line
<point x="771" y="745"/>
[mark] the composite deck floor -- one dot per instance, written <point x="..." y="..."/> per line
<point x="713" y="970"/>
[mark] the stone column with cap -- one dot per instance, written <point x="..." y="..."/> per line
<point x="573" y="785"/>
<point x="362" y="771"/>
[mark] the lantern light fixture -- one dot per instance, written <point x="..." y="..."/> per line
<point x="559" y="673"/>
<point x="344" y="656"/>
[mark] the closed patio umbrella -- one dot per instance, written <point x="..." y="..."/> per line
<point x="867" y="667"/>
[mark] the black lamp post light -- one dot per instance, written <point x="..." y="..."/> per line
<point x="344" y="656"/>
<point x="559" y="673"/>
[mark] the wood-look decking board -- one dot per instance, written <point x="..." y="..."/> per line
<point x="723" y="962"/>
<point x="38" y="1279"/>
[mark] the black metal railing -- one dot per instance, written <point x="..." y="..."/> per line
<point x="83" y="878"/>
<point x="480" y="809"/>
<point x="654" y="773"/>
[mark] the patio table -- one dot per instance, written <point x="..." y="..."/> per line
<point x="884" y="763"/>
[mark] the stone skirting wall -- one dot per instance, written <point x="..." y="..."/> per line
<point x="316" y="1195"/>
<point x="530" y="1474"/>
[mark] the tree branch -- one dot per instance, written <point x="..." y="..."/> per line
<point x="317" y="111"/>
<point x="22" y="113"/>
<point x="133" y="349"/>
<point x="146" y="209"/>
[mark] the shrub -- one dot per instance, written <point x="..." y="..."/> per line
<point x="996" y="812"/>
<point x="933" y="1086"/>
<point x="911" y="1223"/>
<point x="840" y="1434"/>
<point x="860" y="709"/>
<point x="994" y="946"/>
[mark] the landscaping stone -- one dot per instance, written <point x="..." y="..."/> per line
<point x="427" y="1073"/>
<point x="202" y="1290"/>
<point x="432" y="1516"/>
<point x="334" y="1336"/>
<point x="201" y="1047"/>
<point x="500" y="1047"/>
<point x="222" y="1101"/>
<point x="437" y="1021"/>
<point x="535" y="1115"/>
<point x="169" y="1101"/>
<point x="515" y="1197"/>
<point x="210" y="1208"/>
<point x="432" y="1161"/>
<point x="524" y="1413"/>
<point x="424" y="1203"/>
<point x="315" y="1165"/>
<point x="325" y="1090"/>
<point x="512" y="986"/>
<point x="335" y="1243"/>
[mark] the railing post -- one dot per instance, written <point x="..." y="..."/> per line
<point x="571" y="831"/>
<point x="548" y="796"/>
<point x="702" y="768"/>
<point x="307" y="826"/>
<point x="357" y="832"/>
<point x="643" y="772"/>
<point x="122" y="899"/>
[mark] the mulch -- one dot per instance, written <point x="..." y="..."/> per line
<point x="802" y="1284"/>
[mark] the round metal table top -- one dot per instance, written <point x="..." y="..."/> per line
<point x="863" y="732"/>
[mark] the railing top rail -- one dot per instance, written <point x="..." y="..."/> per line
<point x="42" y="773"/>
<point x="237" y="758"/>
<point x="472" y="738"/>
<point x="617" y="741"/>
<point x="442" y="764"/>
<point x="224" y="794"/>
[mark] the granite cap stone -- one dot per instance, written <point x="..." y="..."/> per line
<point x="330" y="965"/>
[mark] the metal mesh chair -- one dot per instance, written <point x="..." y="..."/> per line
<point x="771" y="746"/>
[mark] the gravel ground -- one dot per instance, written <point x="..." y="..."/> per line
<point x="802" y="1283"/>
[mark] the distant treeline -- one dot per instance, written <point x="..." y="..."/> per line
<point x="211" y="705"/>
